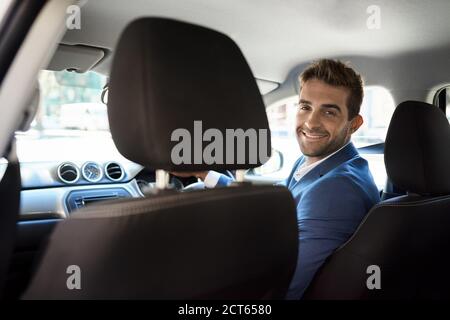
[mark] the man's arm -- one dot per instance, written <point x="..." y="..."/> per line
<point x="215" y="179"/>
<point x="328" y="214"/>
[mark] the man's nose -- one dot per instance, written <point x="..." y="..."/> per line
<point x="313" y="120"/>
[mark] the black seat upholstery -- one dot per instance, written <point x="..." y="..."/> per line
<point x="407" y="237"/>
<point x="10" y="186"/>
<point x="235" y="242"/>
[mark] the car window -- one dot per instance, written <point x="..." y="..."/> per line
<point x="70" y="104"/>
<point x="70" y="111"/>
<point x="377" y="109"/>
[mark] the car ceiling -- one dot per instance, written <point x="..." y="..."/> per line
<point x="276" y="36"/>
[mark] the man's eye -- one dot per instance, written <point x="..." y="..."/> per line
<point x="330" y="113"/>
<point x="304" y="107"/>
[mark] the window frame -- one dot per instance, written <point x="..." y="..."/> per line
<point x="440" y="99"/>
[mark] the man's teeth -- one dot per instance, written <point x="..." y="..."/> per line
<point x="313" y="136"/>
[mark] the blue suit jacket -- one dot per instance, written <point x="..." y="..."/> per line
<point x="331" y="199"/>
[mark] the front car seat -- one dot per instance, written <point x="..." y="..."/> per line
<point x="235" y="242"/>
<point x="10" y="187"/>
<point x="403" y="241"/>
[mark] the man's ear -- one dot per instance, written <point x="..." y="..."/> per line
<point x="356" y="122"/>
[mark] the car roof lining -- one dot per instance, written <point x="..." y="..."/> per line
<point x="408" y="76"/>
<point x="279" y="38"/>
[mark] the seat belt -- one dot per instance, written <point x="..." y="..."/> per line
<point x="10" y="186"/>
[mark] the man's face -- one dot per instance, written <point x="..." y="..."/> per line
<point x="322" y="124"/>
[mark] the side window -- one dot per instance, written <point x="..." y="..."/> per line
<point x="377" y="109"/>
<point x="281" y="116"/>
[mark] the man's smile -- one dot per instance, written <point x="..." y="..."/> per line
<point x="313" y="136"/>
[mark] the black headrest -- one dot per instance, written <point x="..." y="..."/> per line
<point x="167" y="74"/>
<point x="417" y="149"/>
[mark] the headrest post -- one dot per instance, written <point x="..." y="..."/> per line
<point x="162" y="179"/>
<point x="240" y="175"/>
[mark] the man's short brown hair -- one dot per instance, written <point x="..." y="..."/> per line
<point x="337" y="73"/>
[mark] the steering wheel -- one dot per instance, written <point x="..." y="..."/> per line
<point x="201" y="185"/>
<point x="176" y="183"/>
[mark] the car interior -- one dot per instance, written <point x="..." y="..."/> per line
<point x="92" y="90"/>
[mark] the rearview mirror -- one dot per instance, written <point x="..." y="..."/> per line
<point x="274" y="164"/>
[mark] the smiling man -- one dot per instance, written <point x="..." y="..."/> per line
<point x="331" y="184"/>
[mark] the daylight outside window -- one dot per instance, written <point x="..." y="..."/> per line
<point x="71" y="120"/>
<point x="70" y="105"/>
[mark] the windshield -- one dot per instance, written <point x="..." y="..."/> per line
<point x="70" y="105"/>
<point x="71" y="122"/>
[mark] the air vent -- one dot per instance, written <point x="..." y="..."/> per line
<point x="68" y="172"/>
<point x="114" y="171"/>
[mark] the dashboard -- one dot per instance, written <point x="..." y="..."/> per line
<point x="54" y="190"/>
<point x="61" y="174"/>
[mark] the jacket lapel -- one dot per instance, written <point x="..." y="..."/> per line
<point x="347" y="153"/>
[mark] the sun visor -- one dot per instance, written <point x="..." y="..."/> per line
<point x="75" y="57"/>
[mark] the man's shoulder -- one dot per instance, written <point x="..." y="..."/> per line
<point x="353" y="168"/>
<point x="352" y="174"/>
<point x="337" y="180"/>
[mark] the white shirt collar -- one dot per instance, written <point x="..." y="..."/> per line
<point x="303" y="169"/>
